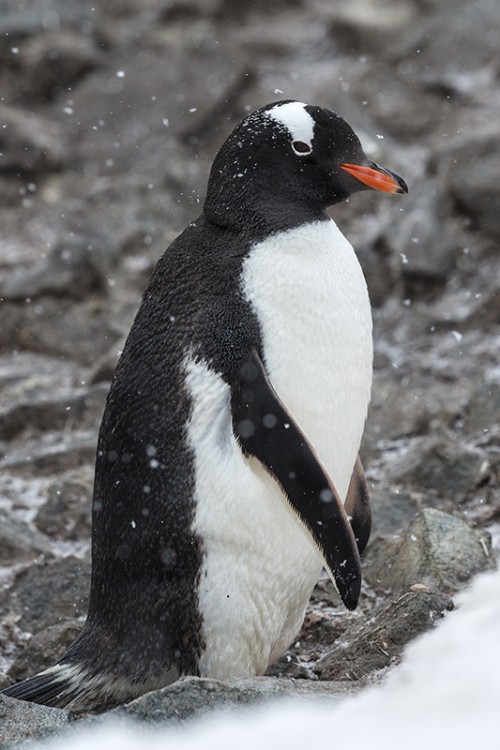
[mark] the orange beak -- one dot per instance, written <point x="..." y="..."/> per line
<point x="377" y="178"/>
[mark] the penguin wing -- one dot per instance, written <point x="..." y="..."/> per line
<point x="357" y="506"/>
<point x="265" y="429"/>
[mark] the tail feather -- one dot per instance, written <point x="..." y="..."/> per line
<point x="74" y="686"/>
<point x="57" y="686"/>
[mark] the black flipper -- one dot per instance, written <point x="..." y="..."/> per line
<point x="357" y="506"/>
<point x="265" y="429"/>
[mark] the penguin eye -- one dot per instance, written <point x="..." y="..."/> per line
<point x="301" y="148"/>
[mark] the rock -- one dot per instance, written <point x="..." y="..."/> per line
<point x="20" y="720"/>
<point x="42" y="412"/>
<point x="18" y="543"/>
<point x="484" y="404"/>
<point x="58" y="452"/>
<point x="192" y="696"/>
<point x="437" y="549"/>
<point x="58" y="327"/>
<point x="475" y="189"/>
<point x="423" y="243"/>
<point x="31" y="143"/>
<point x="392" y="508"/>
<point x="467" y="306"/>
<point x="46" y="593"/>
<point x="378" y="644"/>
<point x="438" y="464"/>
<point x="67" y="514"/>
<point x="44" y="649"/>
<point x="55" y="61"/>
<point x="24" y="376"/>
<point x="407" y="404"/>
<point x="74" y="269"/>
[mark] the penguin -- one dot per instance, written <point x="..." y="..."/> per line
<point x="227" y="470"/>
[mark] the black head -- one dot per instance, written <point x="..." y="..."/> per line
<point x="289" y="158"/>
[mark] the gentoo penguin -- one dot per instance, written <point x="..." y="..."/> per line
<point x="227" y="473"/>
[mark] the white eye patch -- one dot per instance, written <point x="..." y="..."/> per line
<point x="297" y="121"/>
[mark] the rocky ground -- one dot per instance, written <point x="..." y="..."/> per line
<point x="111" y="112"/>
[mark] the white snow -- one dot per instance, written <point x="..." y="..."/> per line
<point x="444" y="695"/>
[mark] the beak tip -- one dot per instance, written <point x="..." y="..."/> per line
<point x="403" y="187"/>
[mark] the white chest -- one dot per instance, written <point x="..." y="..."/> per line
<point x="310" y="296"/>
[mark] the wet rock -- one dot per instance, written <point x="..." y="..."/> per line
<point x="18" y="542"/>
<point x="105" y="366"/>
<point x="73" y="269"/>
<point x="474" y="186"/>
<point x="26" y="375"/>
<point x="467" y="306"/>
<point x="406" y="404"/>
<point x="58" y="327"/>
<point x="482" y="408"/>
<point x="365" y="25"/>
<point x="48" y="592"/>
<point x="44" y="649"/>
<point x="56" y="452"/>
<point x="55" y="61"/>
<point x="437" y="549"/>
<point x="439" y="464"/>
<point x="20" y="720"/>
<point x="192" y="696"/>
<point x="372" y="646"/>
<point x="392" y="508"/>
<point x="30" y="143"/>
<point x="42" y="412"/>
<point x="423" y="244"/>
<point x="67" y="514"/>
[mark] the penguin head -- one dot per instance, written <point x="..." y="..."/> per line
<point x="291" y="157"/>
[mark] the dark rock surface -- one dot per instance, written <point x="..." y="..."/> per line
<point x="363" y="651"/>
<point x="110" y="116"/>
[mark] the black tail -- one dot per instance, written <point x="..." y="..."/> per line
<point x="72" y="685"/>
<point x="57" y="686"/>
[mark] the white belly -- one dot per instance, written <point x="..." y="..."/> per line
<point x="259" y="564"/>
<point x="310" y="296"/>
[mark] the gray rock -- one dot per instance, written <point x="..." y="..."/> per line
<point x="56" y="60"/>
<point x="474" y="186"/>
<point x="408" y="403"/>
<point x="44" y="649"/>
<point x="467" y="305"/>
<point x="438" y="464"/>
<point x="192" y="696"/>
<point x="58" y="327"/>
<point x="18" y="542"/>
<point x="367" y="648"/>
<point x="31" y="142"/>
<point x="74" y="268"/>
<point x="57" y="452"/>
<point x="46" y="593"/>
<point x="483" y="408"/>
<point x="67" y="514"/>
<point x="46" y="411"/>
<point x="437" y="549"/>
<point x="24" y="375"/>
<point x="20" y="720"/>
<point x="392" y="508"/>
